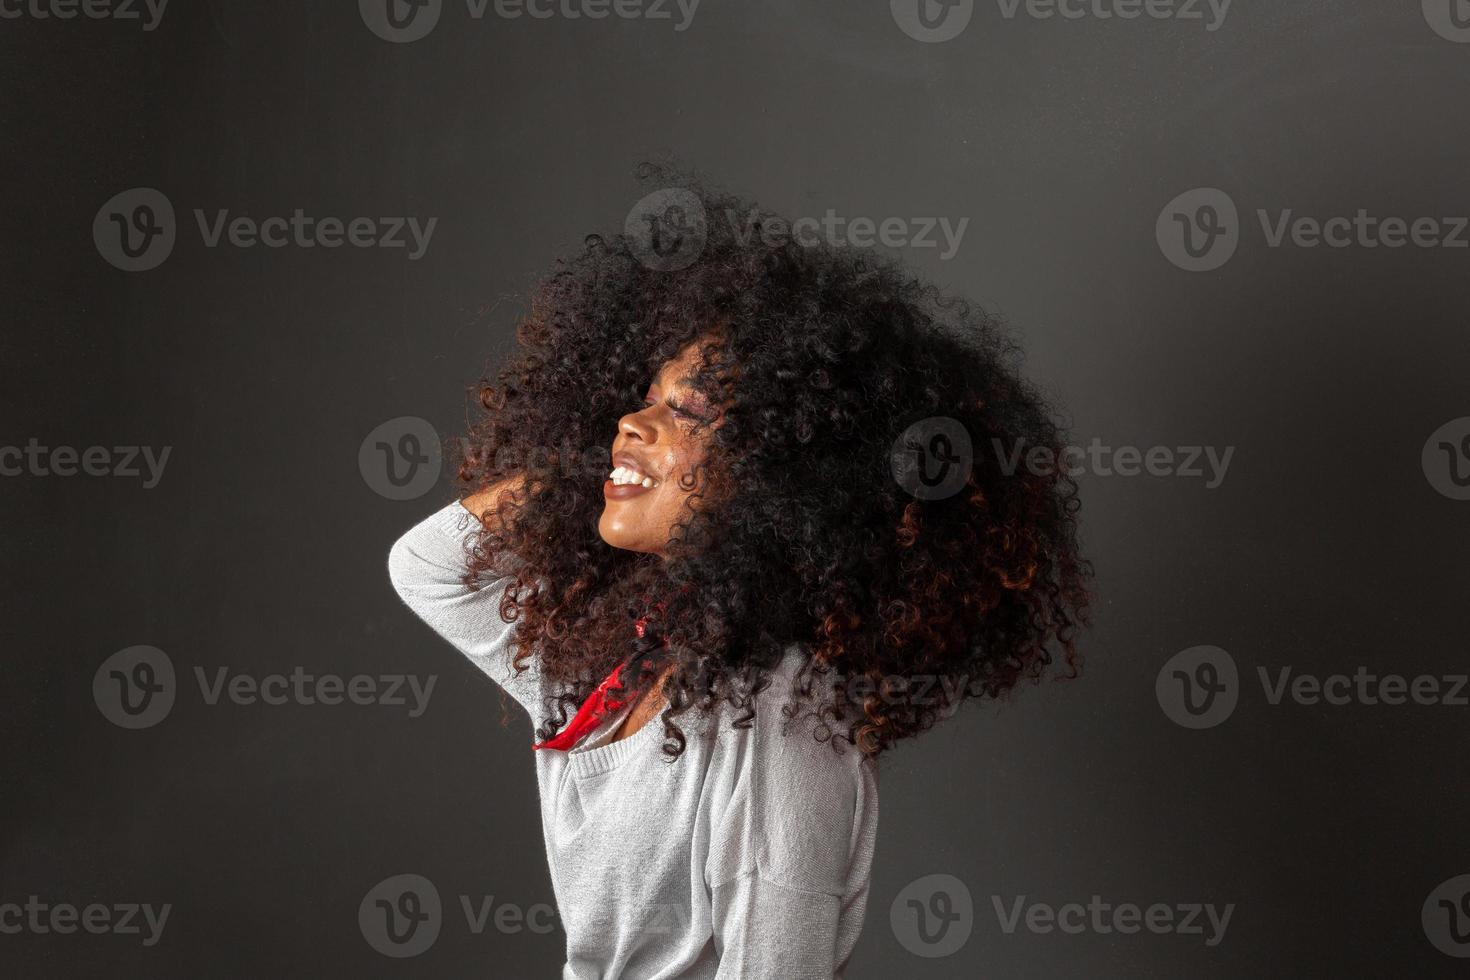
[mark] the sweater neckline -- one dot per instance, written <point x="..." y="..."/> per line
<point x="592" y="761"/>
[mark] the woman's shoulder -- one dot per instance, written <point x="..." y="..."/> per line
<point x="793" y="732"/>
<point x="798" y="797"/>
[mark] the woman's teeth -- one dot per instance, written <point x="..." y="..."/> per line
<point x="621" y="475"/>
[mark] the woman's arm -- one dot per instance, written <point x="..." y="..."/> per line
<point x="484" y="503"/>
<point x="790" y="856"/>
<point x="765" y="929"/>
<point x="427" y="566"/>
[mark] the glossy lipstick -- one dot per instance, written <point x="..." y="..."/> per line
<point x="622" y="491"/>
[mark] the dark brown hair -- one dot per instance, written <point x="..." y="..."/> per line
<point x="825" y="357"/>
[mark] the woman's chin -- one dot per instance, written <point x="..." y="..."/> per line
<point x="616" y="535"/>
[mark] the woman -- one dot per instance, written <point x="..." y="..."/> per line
<point x="787" y="563"/>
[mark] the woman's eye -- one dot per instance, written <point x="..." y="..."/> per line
<point x="696" y="417"/>
<point x="677" y="409"/>
<point x="682" y="412"/>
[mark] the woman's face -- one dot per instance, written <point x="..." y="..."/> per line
<point x="653" y="460"/>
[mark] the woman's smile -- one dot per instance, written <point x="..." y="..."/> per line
<point x="613" y="490"/>
<point x="629" y="478"/>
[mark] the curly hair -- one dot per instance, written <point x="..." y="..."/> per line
<point x="906" y="602"/>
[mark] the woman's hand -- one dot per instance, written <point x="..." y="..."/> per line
<point x="485" y="504"/>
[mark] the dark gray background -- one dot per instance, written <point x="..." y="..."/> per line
<point x="263" y="548"/>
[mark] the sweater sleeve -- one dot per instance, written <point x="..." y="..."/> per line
<point x="768" y="931"/>
<point x="426" y="566"/>
<point x="791" y="856"/>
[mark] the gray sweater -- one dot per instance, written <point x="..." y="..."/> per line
<point x="747" y="857"/>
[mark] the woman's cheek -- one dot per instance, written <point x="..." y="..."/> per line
<point x="676" y="465"/>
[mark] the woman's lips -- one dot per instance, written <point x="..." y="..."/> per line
<point x="622" y="491"/>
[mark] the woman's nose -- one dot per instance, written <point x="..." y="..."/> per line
<point x="637" y="425"/>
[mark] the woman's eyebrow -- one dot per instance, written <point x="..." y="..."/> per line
<point x="689" y="393"/>
<point x="688" y="381"/>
